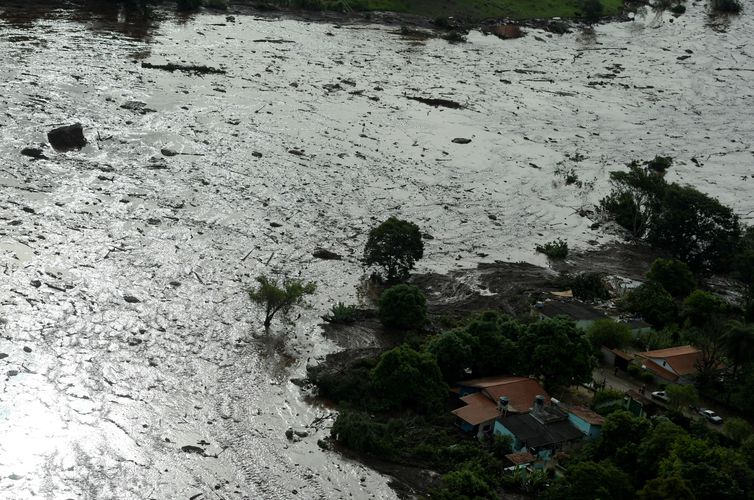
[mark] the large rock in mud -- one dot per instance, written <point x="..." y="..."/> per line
<point x="67" y="138"/>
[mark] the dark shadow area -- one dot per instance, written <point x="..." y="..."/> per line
<point x="137" y="19"/>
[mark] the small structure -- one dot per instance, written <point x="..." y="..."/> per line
<point x="675" y="364"/>
<point x="543" y="431"/>
<point x="520" y="460"/>
<point x="583" y="314"/>
<point x="485" y="399"/>
<point x="587" y="421"/>
<point x="616" y="358"/>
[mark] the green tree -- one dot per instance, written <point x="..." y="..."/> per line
<point x="633" y="201"/>
<point x="404" y="377"/>
<point x="681" y="396"/>
<point x="358" y="431"/>
<point x="704" y="310"/>
<point x="739" y="341"/>
<point x="619" y="441"/>
<point x="737" y="429"/>
<point x="557" y="350"/>
<point x="493" y="344"/>
<point x="403" y="307"/>
<point x="695" y="228"/>
<point x="609" y="333"/>
<point x="453" y="352"/>
<point x="274" y="297"/>
<point x="592" y="11"/>
<point x="674" y="276"/>
<point x="653" y="303"/>
<point x="591" y="480"/>
<point x="666" y="488"/>
<point x="466" y="483"/>
<point x="395" y="245"/>
<point x="655" y="446"/>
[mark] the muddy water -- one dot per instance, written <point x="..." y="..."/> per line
<point x="124" y="269"/>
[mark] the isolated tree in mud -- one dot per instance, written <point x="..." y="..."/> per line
<point x="283" y="297"/>
<point x="395" y="245"/>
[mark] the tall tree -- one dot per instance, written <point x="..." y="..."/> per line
<point x="395" y="245"/>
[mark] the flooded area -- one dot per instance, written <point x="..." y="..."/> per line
<point x="133" y="365"/>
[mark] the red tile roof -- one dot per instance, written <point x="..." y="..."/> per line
<point x="479" y="409"/>
<point x="482" y="406"/>
<point x="521" y="458"/>
<point x="680" y="361"/>
<point x="587" y="415"/>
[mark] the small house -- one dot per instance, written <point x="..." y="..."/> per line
<point x="485" y="399"/>
<point x="676" y="365"/>
<point x="583" y="314"/>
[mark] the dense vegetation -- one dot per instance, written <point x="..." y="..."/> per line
<point x="660" y="459"/>
<point x="394" y="246"/>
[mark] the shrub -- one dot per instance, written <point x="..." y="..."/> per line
<point x="634" y="370"/>
<point x="395" y="245"/>
<point x="557" y="249"/>
<point x="681" y="396"/>
<point x="678" y="9"/>
<point x="359" y="432"/>
<point x="646" y="376"/>
<point x="609" y="333"/>
<point x="341" y="313"/>
<point x="660" y="163"/>
<point x="673" y="275"/>
<point x="276" y="298"/>
<point x="403" y="307"/>
<point x="726" y="6"/>
<point x="454" y="36"/>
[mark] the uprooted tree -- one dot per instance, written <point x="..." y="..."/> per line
<point x="276" y="297"/>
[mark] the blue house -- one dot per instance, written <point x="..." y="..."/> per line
<point x="543" y="431"/>
<point x="587" y="421"/>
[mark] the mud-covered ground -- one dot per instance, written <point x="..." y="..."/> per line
<point x="136" y="368"/>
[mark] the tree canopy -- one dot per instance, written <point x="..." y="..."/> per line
<point x="395" y="246"/>
<point x="276" y="297"/>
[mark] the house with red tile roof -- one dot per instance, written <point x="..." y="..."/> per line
<point x="675" y="364"/>
<point x="485" y="399"/>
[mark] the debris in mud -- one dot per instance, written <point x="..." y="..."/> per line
<point x="35" y="153"/>
<point x="189" y="448"/>
<point x="508" y="31"/>
<point x="272" y="40"/>
<point x="168" y="152"/>
<point x="461" y="140"/>
<point x="430" y="101"/>
<point x="137" y="107"/>
<point x="131" y="299"/>
<point x="186" y="68"/>
<point x="3" y="355"/>
<point x="324" y="254"/>
<point x="67" y="138"/>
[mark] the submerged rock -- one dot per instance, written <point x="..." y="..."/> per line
<point x="461" y="140"/>
<point x="324" y="254"/>
<point x="67" y="138"/>
<point x="35" y="153"/>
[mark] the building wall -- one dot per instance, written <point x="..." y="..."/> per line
<point x="501" y="430"/>
<point x="591" y="431"/>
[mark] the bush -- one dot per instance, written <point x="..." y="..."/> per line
<point x="678" y="9"/>
<point x="634" y="370"/>
<point x="341" y="313"/>
<point x="609" y="333"/>
<point x="557" y="249"/>
<point x="453" y="352"/>
<point x="403" y="307"/>
<point x="395" y="245"/>
<point x="673" y="275"/>
<point x="726" y="6"/>
<point x="681" y="396"/>
<point x="359" y="432"/>
<point x="216" y="4"/>
<point x="660" y="163"/>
